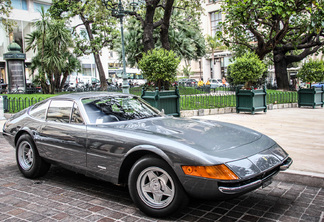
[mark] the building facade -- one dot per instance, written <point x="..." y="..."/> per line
<point x="25" y="13"/>
<point x="205" y="68"/>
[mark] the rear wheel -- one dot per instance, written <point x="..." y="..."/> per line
<point x="154" y="187"/>
<point x="30" y="164"/>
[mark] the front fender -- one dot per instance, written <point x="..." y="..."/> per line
<point x="137" y="153"/>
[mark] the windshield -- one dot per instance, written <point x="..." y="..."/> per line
<point x="117" y="108"/>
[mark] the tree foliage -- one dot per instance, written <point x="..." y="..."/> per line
<point x="247" y="70"/>
<point x="185" y="38"/>
<point x="157" y="15"/>
<point x="275" y="26"/>
<point x="312" y="71"/>
<point x="159" y="66"/>
<point x="51" y="41"/>
<point x="98" y="25"/>
<point x="5" y="9"/>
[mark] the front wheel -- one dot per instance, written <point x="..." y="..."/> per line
<point x="154" y="187"/>
<point x="30" y="164"/>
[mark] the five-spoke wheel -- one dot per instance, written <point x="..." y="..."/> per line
<point x="154" y="187"/>
<point x="30" y="164"/>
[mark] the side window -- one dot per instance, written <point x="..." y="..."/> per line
<point x="76" y="116"/>
<point x="39" y="110"/>
<point x="59" y="111"/>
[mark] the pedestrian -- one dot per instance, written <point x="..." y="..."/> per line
<point x="201" y="83"/>
<point x="224" y="82"/>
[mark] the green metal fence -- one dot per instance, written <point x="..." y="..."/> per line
<point x="217" y="99"/>
<point x="16" y="104"/>
<point x="228" y="99"/>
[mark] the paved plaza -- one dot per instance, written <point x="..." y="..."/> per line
<point x="62" y="195"/>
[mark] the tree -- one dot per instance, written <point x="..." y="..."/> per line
<point x="185" y="38"/>
<point x="312" y="71"/>
<point x="159" y="66"/>
<point x="100" y="30"/>
<point x="51" y="40"/>
<point x="36" y="41"/>
<point x="291" y="30"/>
<point x="213" y="43"/>
<point x="5" y="9"/>
<point x="157" y="14"/>
<point x="247" y="70"/>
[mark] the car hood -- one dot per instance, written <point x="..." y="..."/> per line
<point x="211" y="137"/>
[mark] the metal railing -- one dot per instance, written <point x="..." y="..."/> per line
<point x="191" y="99"/>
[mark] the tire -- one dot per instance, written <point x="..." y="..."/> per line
<point x="154" y="187"/>
<point x="30" y="164"/>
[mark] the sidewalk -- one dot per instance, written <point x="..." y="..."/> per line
<point x="300" y="131"/>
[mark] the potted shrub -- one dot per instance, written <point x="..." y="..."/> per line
<point x="311" y="71"/>
<point x="159" y="67"/>
<point x="248" y="70"/>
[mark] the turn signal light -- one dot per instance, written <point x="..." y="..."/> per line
<point x="219" y="172"/>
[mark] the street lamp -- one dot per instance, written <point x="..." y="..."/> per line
<point x="119" y="12"/>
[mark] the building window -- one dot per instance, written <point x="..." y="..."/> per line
<point x="38" y="6"/>
<point x="19" y="4"/>
<point x="215" y="19"/>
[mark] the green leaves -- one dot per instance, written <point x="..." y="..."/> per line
<point x="159" y="65"/>
<point x="312" y="71"/>
<point x="5" y="9"/>
<point x="51" y="40"/>
<point x="247" y="69"/>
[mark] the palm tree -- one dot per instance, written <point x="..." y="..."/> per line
<point x="36" y="42"/>
<point x="213" y="43"/>
<point x="52" y="41"/>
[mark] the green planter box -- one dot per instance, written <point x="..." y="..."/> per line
<point x="251" y="100"/>
<point x="168" y="100"/>
<point x="310" y="97"/>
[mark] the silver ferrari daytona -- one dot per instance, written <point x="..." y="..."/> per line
<point x="161" y="159"/>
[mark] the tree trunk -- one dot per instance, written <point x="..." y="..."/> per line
<point x="148" y="28"/>
<point x="213" y="64"/>
<point x="102" y="76"/>
<point x="101" y="71"/>
<point x="281" y="70"/>
<point x="65" y="75"/>
<point x="166" y="24"/>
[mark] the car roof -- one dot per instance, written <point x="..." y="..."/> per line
<point x="78" y="96"/>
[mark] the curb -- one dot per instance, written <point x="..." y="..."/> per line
<point x="301" y="177"/>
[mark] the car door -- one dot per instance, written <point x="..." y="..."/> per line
<point x="64" y="133"/>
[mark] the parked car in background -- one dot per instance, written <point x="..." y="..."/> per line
<point x="182" y="82"/>
<point x="163" y="160"/>
<point x="191" y="83"/>
<point x="318" y="85"/>
<point x="214" y="83"/>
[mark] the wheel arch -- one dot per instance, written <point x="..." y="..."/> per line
<point x="137" y="153"/>
<point x="20" y="133"/>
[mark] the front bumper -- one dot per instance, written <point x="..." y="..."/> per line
<point x="264" y="181"/>
<point x="212" y="189"/>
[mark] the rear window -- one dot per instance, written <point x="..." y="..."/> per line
<point x="60" y="111"/>
<point x="38" y="111"/>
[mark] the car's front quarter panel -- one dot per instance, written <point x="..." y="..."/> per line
<point x="108" y="147"/>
